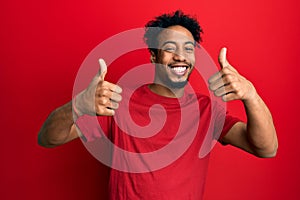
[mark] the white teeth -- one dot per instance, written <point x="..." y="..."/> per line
<point x="179" y="69"/>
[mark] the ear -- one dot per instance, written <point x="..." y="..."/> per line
<point x="153" y="57"/>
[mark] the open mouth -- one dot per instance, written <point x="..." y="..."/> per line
<point x="179" y="70"/>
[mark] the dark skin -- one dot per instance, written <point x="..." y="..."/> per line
<point x="174" y="62"/>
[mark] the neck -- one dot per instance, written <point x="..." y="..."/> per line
<point x="165" y="91"/>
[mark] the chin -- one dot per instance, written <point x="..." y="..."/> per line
<point x="177" y="85"/>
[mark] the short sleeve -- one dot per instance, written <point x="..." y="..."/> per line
<point x="229" y="122"/>
<point x="223" y="121"/>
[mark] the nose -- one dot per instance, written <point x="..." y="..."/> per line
<point x="179" y="56"/>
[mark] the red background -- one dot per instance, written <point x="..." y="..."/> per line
<point x="42" y="44"/>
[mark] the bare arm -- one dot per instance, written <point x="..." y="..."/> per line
<point x="258" y="136"/>
<point x="59" y="127"/>
<point x="100" y="98"/>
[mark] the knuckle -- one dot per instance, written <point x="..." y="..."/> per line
<point x="99" y="92"/>
<point x="234" y="85"/>
<point x="229" y="78"/>
<point x="239" y="94"/>
<point x="105" y="92"/>
<point x="103" y="101"/>
<point x="107" y="85"/>
<point x="225" y="79"/>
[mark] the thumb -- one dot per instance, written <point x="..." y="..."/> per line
<point x="222" y="57"/>
<point x="103" y="69"/>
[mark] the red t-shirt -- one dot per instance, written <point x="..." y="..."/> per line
<point x="157" y="147"/>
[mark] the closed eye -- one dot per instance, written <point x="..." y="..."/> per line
<point x="189" y="49"/>
<point x="169" y="49"/>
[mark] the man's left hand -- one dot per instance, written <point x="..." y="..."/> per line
<point x="229" y="84"/>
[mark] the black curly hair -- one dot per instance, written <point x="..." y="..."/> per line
<point x="154" y="27"/>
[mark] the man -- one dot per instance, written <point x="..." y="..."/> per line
<point x="172" y="44"/>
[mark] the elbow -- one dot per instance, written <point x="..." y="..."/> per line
<point x="268" y="153"/>
<point x="268" y="150"/>
<point x="45" y="141"/>
<point x="41" y="139"/>
<point x="47" y="144"/>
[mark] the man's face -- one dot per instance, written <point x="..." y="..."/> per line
<point x="175" y="58"/>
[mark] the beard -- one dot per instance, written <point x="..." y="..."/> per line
<point x="176" y="85"/>
<point x="167" y="79"/>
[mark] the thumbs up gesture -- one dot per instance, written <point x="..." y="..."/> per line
<point x="100" y="97"/>
<point x="228" y="83"/>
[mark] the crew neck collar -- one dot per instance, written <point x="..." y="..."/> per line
<point x="164" y="98"/>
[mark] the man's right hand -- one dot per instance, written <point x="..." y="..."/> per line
<point x="100" y="97"/>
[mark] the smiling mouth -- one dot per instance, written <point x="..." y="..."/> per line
<point x="179" y="70"/>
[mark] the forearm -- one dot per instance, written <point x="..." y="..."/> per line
<point x="58" y="128"/>
<point x="261" y="133"/>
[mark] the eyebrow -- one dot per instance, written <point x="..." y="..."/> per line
<point x="172" y="42"/>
